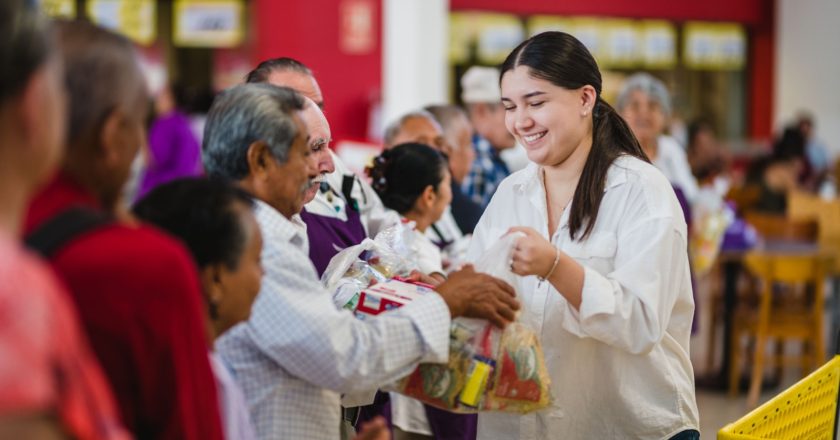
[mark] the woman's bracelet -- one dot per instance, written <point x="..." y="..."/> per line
<point x="553" y="266"/>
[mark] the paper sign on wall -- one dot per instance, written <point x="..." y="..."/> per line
<point x="208" y="23"/>
<point x="59" y="8"/>
<point x="133" y="18"/>
<point x="720" y="46"/>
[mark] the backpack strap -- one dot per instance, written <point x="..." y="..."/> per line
<point x="58" y="231"/>
<point x="346" y="189"/>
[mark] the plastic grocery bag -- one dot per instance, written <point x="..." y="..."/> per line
<point x="371" y="261"/>
<point x="711" y="218"/>
<point x="488" y="369"/>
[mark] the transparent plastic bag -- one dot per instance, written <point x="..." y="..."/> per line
<point x="711" y="218"/>
<point x="371" y="261"/>
<point x="489" y="369"/>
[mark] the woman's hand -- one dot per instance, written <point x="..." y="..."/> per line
<point x="533" y="254"/>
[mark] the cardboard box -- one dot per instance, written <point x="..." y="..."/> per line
<point x="386" y="296"/>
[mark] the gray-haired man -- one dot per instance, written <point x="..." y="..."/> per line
<point x="297" y="352"/>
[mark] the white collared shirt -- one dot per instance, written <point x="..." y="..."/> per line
<point x="673" y="162"/>
<point x="374" y="215"/>
<point x="619" y="366"/>
<point x="298" y="352"/>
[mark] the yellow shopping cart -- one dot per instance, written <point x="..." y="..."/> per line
<point x="806" y="410"/>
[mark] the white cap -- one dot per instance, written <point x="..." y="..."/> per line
<point x="480" y="84"/>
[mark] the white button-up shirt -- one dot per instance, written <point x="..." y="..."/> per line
<point x="620" y="365"/>
<point x="374" y="215"/>
<point x="298" y="352"/>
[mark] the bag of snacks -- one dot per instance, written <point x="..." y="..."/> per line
<point x="489" y="369"/>
<point x="371" y="261"/>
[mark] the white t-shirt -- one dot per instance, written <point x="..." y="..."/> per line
<point x="619" y="365"/>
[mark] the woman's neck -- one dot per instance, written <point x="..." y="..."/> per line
<point x="421" y="221"/>
<point x="650" y="147"/>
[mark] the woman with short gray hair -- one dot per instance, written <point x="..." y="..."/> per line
<point x="644" y="102"/>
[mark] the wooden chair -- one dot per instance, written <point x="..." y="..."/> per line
<point x="782" y="227"/>
<point x="790" y="307"/>
<point x="772" y="227"/>
<point x="745" y="197"/>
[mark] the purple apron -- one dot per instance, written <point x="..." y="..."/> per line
<point x="328" y="236"/>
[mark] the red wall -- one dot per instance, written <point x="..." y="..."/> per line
<point x="745" y="11"/>
<point x="308" y="30"/>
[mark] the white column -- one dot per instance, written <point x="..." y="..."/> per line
<point x="415" y="42"/>
<point x="808" y="65"/>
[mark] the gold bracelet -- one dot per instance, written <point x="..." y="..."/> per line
<point x="553" y="266"/>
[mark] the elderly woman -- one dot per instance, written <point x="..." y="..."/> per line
<point x="645" y="104"/>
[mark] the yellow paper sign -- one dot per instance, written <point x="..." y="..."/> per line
<point x="59" y="8"/>
<point x="133" y="18"/>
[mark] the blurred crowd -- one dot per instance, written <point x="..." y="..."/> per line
<point x="162" y="279"/>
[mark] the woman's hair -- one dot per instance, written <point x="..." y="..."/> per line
<point x="204" y="214"/>
<point x="562" y="60"/>
<point x="647" y="84"/>
<point x="401" y="174"/>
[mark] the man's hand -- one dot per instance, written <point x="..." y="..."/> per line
<point x="477" y="295"/>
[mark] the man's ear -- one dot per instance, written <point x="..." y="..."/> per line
<point x="110" y="137"/>
<point x="30" y="104"/>
<point x="211" y="279"/>
<point x="260" y="158"/>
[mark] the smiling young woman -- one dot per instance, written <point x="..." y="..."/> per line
<point x="604" y="230"/>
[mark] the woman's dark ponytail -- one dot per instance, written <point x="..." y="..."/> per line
<point x="400" y="175"/>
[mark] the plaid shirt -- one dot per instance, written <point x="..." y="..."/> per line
<point x="298" y="352"/>
<point x="487" y="172"/>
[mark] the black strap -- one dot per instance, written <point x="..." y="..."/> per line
<point x="56" y="232"/>
<point x="347" y="188"/>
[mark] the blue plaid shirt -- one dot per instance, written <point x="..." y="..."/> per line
<point x="487" y="172"/>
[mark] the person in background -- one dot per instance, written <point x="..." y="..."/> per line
<point x="457" y="132"/>
<point x="215" y="221"/>
<point x="174" y="150"/>
<point x="603" y="263"/>
<point x="51" y="386"/>
<point x="816" y="151"/>
<point x="480" y="95"/>
<point x="343" y="209"/>
<point x="414" y="180"/>
<point x="136" y="289"/>
<point x="644" y="102"/>
<point x="421" y="127"/>
<point x="779" y="173"/>
<point x="705" y="156"/>
<point x="297" y="352"/>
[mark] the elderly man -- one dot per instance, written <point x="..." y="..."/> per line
<point x="137" y="290"/>
<point x="483" y="100"/>
<point x="343" y="209"/>
<point x="46" y="368"/>
<point x="298" y="352"/>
